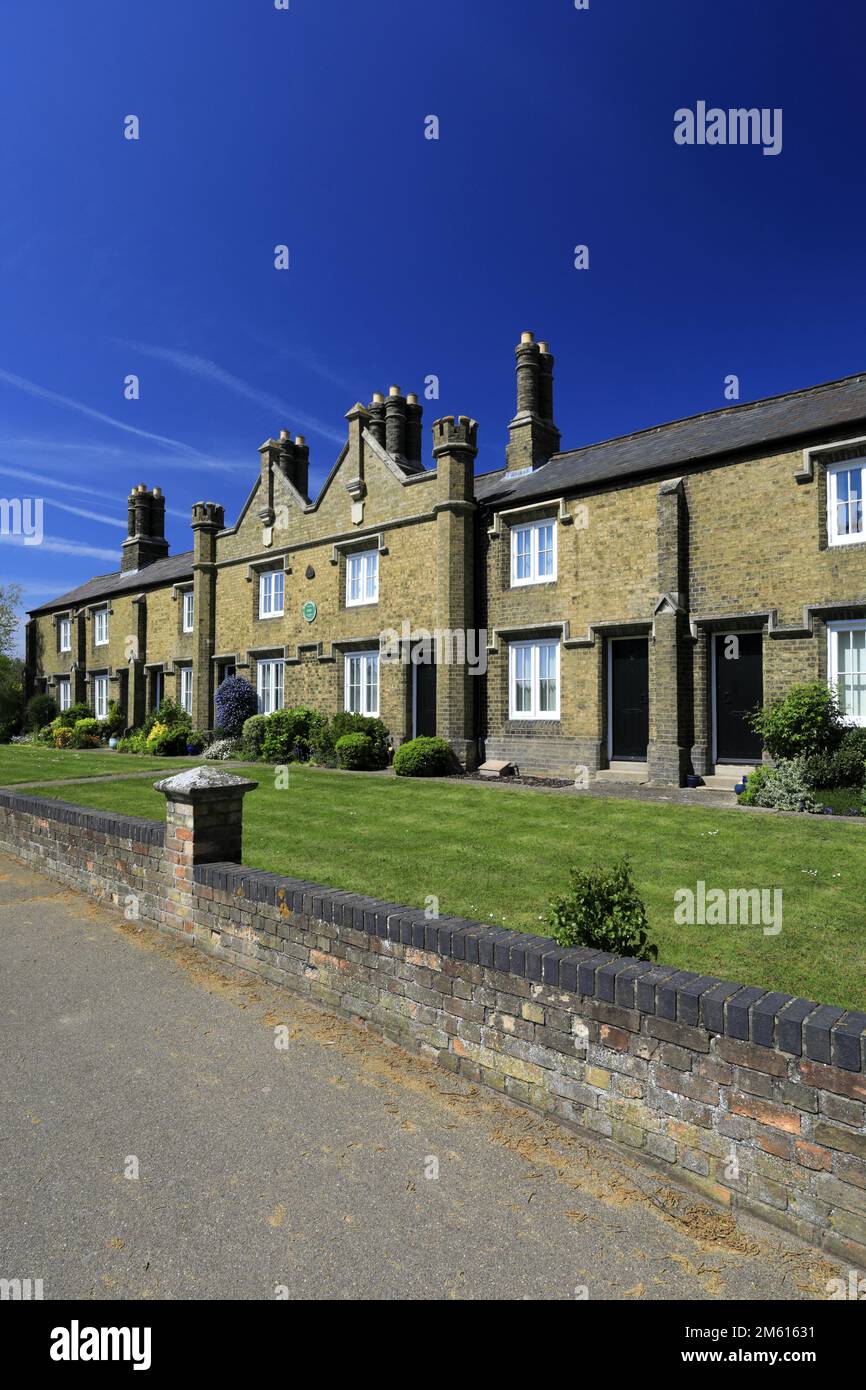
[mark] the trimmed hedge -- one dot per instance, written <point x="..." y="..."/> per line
<point x="356" y="752"/>
<point x="424" y="757"/>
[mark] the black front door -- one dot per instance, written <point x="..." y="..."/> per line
<point x="739" y="689"/>
<point x="425" y="691"/>
<point x="629" y="698"/>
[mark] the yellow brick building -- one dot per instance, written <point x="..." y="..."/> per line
<point x="613" y="610"/>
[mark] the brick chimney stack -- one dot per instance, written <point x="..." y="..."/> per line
<point x="145" y="541"/>
<point x="532" y="435"/>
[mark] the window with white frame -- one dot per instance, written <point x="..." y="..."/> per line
<point x="533" y="553"/>
<point x="269" y="683"/>
<point x="271" y="593"/>
<point x="157" y="688"/>
<point x="64" y="694"/>
<point x="65" y="626"/>
<point x="100" y="697"/>
<point x="533" y="680"/>
<point x="188" y="601"/>
<point x="362" y="683"/>
<point x="847" y="668"/>
<point x="186" y="688"/>
<point x="100" y="627"/>
<point x="362" y="578"/>
<point x="845" y="522"/>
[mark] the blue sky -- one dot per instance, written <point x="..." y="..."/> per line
<point x="408" y="257"/>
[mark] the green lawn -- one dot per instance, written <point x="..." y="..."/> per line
<point x="19" y="762"/>
<point x="500" y="855"/>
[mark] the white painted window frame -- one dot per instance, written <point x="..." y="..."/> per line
<point x="185" y="688"/>
<point x="64" y="693"/>
<point x="188" y="610"/>
<point x="65" y="627"/>
<point x="834" y="630"/>
<point x="533" y="529"/>
<point x="365" y="565"/>
<point x="267" y="593"/>
<point x="363" y="660"/>
<point x="834" y="538"/>
<point x="270" y="684"/>
<point x="533" y="646"/>
<point x="100" y="697"/>
<point x="100" y="624"/>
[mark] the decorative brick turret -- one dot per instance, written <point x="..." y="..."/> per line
<point x="455" y="445"/>
<point x="203" y="825"/>
<point x="207" y="520"/>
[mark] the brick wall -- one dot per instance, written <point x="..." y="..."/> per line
<point x="755" y="1099"/>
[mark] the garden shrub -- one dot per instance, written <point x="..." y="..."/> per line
<point x="346" y="723"/>
<point x="784" y="787"/>
<point x="70" y="716"/>
<point x="602" y="908"/>
<point x="803" y="721"/>
<point x="116" y="721"/>
<point x="223" y="748"/>
<point x="755" y="785"/>
<point x="165" y="731"/>
<point x="40" y="710"/>
<point x="236" y="702"/>
<point x="289" y="734"/>
<point x="844" y="767"/>
<point x="424" y="757"/>
<point x="84" y="734"/>
<point x="252" y="736"/>
<point x="356" y="752"/>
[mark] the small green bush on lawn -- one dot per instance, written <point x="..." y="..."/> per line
<point x="602" y="908"/>
<point x="424" y="757"/>
<point x="355" y="752"/>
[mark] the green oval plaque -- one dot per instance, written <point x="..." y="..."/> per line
<point x="309" y="611"/>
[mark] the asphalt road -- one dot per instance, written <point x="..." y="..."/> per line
<point x="302" y="1172"/>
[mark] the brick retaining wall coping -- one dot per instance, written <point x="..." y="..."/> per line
<point x="800" y="1027"/>
<point x="143" y="832"/>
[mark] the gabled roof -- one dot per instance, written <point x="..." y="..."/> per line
<point x="696" y="439"/>
<point x="172" y="570"/>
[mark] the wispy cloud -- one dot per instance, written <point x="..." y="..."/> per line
<point x="60" y="485"/>
<point x="31" y="388"/>
<point x="205" y="370"/>
<point x="57" y="546"/>
<point x="85" y="512"/>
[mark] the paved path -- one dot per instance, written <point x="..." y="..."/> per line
<point x="302" y="1168"/>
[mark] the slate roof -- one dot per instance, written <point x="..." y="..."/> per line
<point x="172" y="570"/>
<point x="697" y="439"/>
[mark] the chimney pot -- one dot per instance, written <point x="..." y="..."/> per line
<point x="527" y="337"/>
<point x="395" y="391"/>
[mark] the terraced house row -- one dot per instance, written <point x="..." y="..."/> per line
<point x="634" y="598"/>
